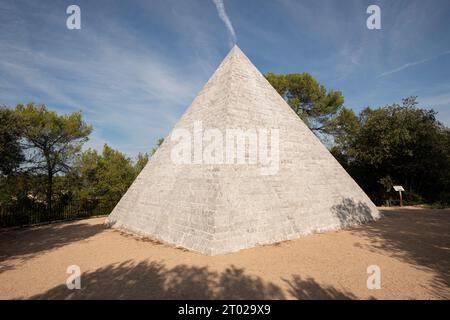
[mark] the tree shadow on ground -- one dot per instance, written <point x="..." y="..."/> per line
<point x="420" y="237"/>
<point x="29" y="242"/>
<point x="309" y="289"/>
<point x="352" y="213"/>
<point x="154" y="280"/>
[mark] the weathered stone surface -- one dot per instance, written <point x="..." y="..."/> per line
<point x="215" y="209"/>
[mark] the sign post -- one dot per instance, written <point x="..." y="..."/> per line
<point x="400" y="189"/>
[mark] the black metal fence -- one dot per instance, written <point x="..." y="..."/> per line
<point x="13" y="215"/>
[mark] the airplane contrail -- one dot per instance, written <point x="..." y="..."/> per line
<point x="224" y="17"/>
<point x="411" y="64"/>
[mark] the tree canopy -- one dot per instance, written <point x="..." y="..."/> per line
<point x="11" y="153"/>
<point x="396" y="144"/>
<point x="102" y="177"/>
<point x="51" y="141"/>
<point x="310" y="100"/>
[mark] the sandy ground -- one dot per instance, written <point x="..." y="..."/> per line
<point x="411" y="246"/>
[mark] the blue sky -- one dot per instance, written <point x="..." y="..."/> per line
<point x="135" y="66"/>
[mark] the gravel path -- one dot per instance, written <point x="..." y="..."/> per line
<point x="411" y="246"/>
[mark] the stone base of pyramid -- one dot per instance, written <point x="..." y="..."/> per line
<point x="233" y="240"/>
<point x="220" y="208"/>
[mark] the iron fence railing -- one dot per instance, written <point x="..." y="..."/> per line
<point x="12" y="215"/>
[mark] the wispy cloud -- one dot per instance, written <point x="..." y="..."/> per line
<point x="226" y="20"/>
<point x="130" y="91"/>
<point x="411" y="64"/>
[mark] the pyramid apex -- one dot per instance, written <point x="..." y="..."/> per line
<point x="236" y="53"/>
<point x="235" y="49"/>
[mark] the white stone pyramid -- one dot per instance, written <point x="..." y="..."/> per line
<point x="224" y="207"/>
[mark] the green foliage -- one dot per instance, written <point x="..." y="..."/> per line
<point x="142" y="158"/>
<point x="83" y="178"/>
<point x="403" y="143"/>
<point x="21" y="187"/>
<point x="387" y="183"/>
<point x="309" y="99"/>
<point x="11" y="153"/>
<point x="48" y="148"/>
<point x="141" y="162"/>
<point x="344" y="127"/>
<point x="103" y="178"/>
<point x="115" y="175"/>
<point x="51" y="141"/>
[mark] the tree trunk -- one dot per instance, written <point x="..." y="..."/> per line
<point x="49" y="192"/>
